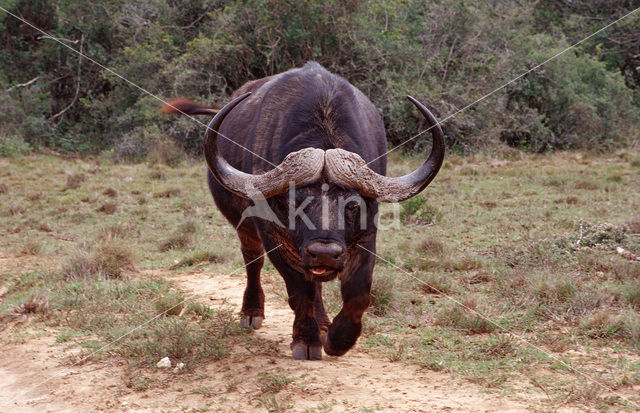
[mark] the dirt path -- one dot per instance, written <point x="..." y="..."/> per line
<point x="349" y="383"/>
<point x="352" y="383"/>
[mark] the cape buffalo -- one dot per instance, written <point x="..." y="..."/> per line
<point x="310" y="149"/>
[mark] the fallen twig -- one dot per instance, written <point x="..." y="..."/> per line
<point x="627" y="254"/>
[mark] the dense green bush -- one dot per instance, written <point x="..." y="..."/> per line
<point x="572" y="102"/>
<point x="447" y="54"/>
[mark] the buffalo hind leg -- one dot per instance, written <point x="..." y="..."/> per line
<point x="253" y="254"/>
<point x="320" y="313"/>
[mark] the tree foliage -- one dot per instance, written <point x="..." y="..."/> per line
<point x="446" y="53"/>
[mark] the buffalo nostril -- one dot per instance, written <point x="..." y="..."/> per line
<point x="325" y="250"/>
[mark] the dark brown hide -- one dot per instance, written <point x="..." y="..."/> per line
<point x="303" y="108"/>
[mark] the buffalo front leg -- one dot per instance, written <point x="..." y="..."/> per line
<point x="253" y="254"/>
<point x="306" y="343"/>
<point x="346" y="327"/>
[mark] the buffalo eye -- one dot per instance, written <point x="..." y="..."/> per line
<point x="353" y="207"/>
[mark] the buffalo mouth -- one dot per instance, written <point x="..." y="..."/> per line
<point x="322" y="273"/>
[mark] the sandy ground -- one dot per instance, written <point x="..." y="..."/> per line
<point x="36" y="376"/>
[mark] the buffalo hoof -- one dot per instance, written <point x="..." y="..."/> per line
<point x="330" y="349"/>
<point x="302" y="351"/>
<point x="248" y="321"/>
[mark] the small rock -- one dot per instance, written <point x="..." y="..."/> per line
<point x="180" y="365"/>
<point x="164" y="363"/>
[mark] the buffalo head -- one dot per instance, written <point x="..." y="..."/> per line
<point x="331" y="195"/>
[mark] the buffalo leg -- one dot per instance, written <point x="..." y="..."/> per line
<point x="306" y="343"/>
<point x="231" y="207"/>
<point x="253" y="254"/>
<point x="320" y="313"/>
<point x="347" y="325"/>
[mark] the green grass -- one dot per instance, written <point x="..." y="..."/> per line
<point x="107" y="309"/>
<point x="544" y="270"/>
<point x="529" y="242"/>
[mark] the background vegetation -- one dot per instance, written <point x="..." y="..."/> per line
<point x="447" y="53"/>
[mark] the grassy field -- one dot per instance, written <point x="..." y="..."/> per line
<point x="501" y="263"/>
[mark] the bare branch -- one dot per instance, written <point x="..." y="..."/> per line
<point x="24" y="84"/>
<point x="75" y="97"/>
<point x="57" y="38"/>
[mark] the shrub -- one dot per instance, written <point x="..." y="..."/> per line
<point x="13" y="145"/>
<point x="446" y="53"/>
<point x="416" y="211"/>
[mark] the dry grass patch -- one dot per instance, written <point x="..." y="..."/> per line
<point x="165" y="152"/>
<point x="431" y="247"/>
<point x="75" y="181"/>
<point x="44" y="227"/>
<point x="107" y="208"/>
<point x="32" y="247"/>
<point x="587" y="185"/>
<point x="34" y="304"/>
<point x="198" y="257"/>
<point x="602" y="324"/>
<point x="434" y="283"/>
<point x="167" y="193"/>
<point x="632" y="294"/>
<point x="118" y="230"/>
<point x="382" y="294"/>
<point x="463" y="320"/>
<point x="157" y="175"/>
<point x="107" y="259"/>
<point x="274" y="383"/>
<point x="14" y="208"/>
<point x="34" y="196"/>
<point x="609" y="266"/>
<point x="181" y="238"/>
<point x="634" y="226"/>
<point x="110" y="192"/>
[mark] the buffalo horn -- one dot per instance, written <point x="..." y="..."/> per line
<point x="297" y="167"/>
<point x="349" y="169"/>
